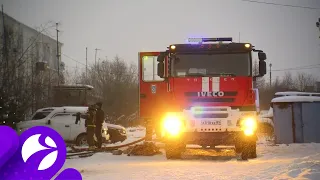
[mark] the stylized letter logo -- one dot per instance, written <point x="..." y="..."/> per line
<point x="32" y="146"/>
<point x="41" y="155"/>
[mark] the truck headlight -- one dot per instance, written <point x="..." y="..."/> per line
<point x="249" y="126"/>
<point x="172" y="124"/>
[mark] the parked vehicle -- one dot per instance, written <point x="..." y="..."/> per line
<point x="117" y="133"/>
<point x="64" y="121"/>
<point x="201" y="93"/>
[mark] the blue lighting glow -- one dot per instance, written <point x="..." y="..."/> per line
<point x="201" y="39"/>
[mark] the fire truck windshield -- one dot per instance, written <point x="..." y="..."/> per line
<point x="235" y="64"/>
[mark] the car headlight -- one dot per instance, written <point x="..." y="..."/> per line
<point x="172" y="124"/>
<point x="249" y="125"/>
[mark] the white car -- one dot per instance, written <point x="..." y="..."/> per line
<point x="64" y="121"/>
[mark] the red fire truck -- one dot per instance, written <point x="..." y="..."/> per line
<point x="202" y="93"/>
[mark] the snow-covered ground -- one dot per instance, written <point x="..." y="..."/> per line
<point x="294" y="161"/>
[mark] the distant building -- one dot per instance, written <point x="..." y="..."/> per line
<point x="43" y="48"/>
<point x="24" y="47"/>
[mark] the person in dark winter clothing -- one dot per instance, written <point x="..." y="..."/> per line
<point x="99" y="123"/>
<point x="90" y="125"/>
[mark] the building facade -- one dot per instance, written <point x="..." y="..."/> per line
<point x="22" y="47"/>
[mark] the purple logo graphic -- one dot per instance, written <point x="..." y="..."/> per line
<point x="39" y="153"/>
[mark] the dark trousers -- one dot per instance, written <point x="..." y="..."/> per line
<point x="98" y="133"/>
<point x="90" y="135"/>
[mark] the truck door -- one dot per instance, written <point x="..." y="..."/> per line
<point x="151" y="86"/>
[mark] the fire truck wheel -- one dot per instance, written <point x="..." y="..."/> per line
<point x="238" y="147"/>
<point x="174" y="150"/>
<point x="253" y="150"/>
<point x="249" y="150"/>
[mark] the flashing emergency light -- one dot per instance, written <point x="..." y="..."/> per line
<point x="172" y="47"/>
<point x="200" y="40"/>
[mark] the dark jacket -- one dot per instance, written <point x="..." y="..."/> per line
<point x="91" y="119"/>
<point x="99" y="117"/>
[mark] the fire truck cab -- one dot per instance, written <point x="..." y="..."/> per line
<point x="201" y="93"/>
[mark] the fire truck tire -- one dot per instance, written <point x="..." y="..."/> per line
<point x="253" y="150"/>
<point x="238" y="147"/>
<point x="174" y="150"/>
<point x="249" y="150"/>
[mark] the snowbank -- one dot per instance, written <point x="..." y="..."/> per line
<point x="266" y="120"/>
<point x="268" y="114"/>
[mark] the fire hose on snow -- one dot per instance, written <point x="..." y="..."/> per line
<point x="147" y="148"/>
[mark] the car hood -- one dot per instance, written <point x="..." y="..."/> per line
<point x="114" y="126"/>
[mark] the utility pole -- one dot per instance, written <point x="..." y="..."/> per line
<point x="270" y="65"/>
<point x="86" y="63"/>
<point x="4" y="53"/>
<point x="318" y="24"/>
<point x="95" y="56"/>
<point x="58" y="57"/>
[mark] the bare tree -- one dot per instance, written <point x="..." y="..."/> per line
<point x="115" y="84"/>
<point x="22" y="87"/>
<point x="288" y="81"/>
<point x="304" y="81"/>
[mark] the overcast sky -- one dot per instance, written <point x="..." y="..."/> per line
<point x="288" y="35"/>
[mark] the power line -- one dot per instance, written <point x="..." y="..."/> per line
<point x="314" y="66"/>
<point x="73" y="59"/>
<point x="285" y="5"/>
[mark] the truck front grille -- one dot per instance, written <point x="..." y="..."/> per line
<point x="224" y="115"/>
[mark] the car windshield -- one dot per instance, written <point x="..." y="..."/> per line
<point x="236" y="64"/>
<point x="40" y="115"/>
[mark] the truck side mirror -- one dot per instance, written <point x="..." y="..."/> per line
<point x="49" y="122"/>
<point x="160" y="69"/>
<point x="262" y="56"/>
<point x="161" y="57"/>
<point x="262" y="68"/>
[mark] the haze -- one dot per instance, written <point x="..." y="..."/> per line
<point x="288" y="35"/>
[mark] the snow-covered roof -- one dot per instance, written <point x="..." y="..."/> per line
<point x="74" y="86"/>
<point x="296" y="99"/>
<point x="293" y="93"/>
